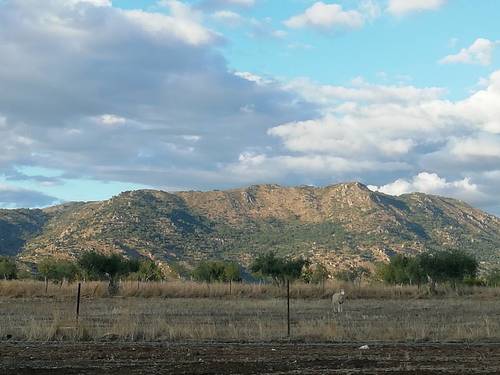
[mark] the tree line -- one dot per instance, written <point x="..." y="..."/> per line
<point x="440" y="266"/>
<point x="454" y="266"/>
<point x="90" y="266"/>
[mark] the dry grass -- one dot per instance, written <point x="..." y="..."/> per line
<point x="187" y="289"/>
<point x="245" y="319"/>
<point x="175" y="311"/>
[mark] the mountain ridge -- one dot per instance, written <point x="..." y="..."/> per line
<point x="342" y="226"/>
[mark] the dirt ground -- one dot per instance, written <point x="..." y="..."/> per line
<point x="231" y="358"/>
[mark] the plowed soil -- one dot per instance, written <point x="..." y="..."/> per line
<point x="269" y="358"/>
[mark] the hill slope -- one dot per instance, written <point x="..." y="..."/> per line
<point x="341" y="225"/>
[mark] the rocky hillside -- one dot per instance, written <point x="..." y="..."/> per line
<point x="342" y="225"/>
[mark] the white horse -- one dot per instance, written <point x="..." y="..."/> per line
<point x="338" y="301"/>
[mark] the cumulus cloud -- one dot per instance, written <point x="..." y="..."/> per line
<point x="224" y="4"/>
<point x="361" y="91"/>
<point x="183" y="23"/>
<point x="426" y="182"/>
<point x="407" y="127"/>
<point x="431" y="183"/>
<point x="480" y="53"/>
<point x="141" y="97"/>
<point x="118" y="95"/>
<point x="403" y="7"/>
<point x="228" y="17"/>
<point x="327" y="16"/>
<point x="14" y="197"/>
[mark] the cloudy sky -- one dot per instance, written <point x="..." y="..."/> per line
<point x="99" y="96"/>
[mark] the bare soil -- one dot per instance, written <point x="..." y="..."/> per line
<point x="233" y="358"/>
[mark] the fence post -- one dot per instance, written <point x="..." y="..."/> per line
<point x="288" y="306"/>
<point x="78" y="301"/>
<point x="230" y="287"/>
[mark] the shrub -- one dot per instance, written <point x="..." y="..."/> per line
<point x="58" y="270"/>
<point x="315" y="274"/>
<point x="213" y="271"/>
<point x="149" y="271"/>
<point x="492" y="277"/>
<point x="450" y="265"/>
<point x="353" y="276"/>
<point x="8" y="268"/>
<point x="98" y="266"/>
<point x="278" y="269"/>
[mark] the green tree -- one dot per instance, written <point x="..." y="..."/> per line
<point x="320" y="274"/>
<point x="315" y="274"/>
<point x="398" y="270"/>
<point x="492" y="277"/>
<point x="98" y="266"/>
<point x="278" y="269"/>
<point x="232" y="272"/>
<point x="149" y="271"/>
<point x="449" y="265"/>
<point x="8" y="268"/>
<point x="58" y="270"/>
<point x="217" y="271"/>
<point x="352" y="275"/>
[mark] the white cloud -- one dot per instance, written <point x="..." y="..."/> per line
<point x="228" y="17"/>
<point x="184" y="23"/>
<point x="431" y="183"/>
<point x="111" y="120"/>
<point x="253" y="78"/>
<point x="362" y="92"/>
<point x="480" y="52"/>
<point x="196" y="124"/>
<point x="326" y="16"/>
<point x="95" y="66"/>
<point x="224" y="4"/>
<point x="99" y="3"/>
<point x="247" y="3"/>
<point x="403" y="7"/>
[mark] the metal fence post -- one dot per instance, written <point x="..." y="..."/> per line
<point x="288" y="306"/>
<point x="78" y="301"/>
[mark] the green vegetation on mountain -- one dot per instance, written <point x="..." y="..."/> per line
<point x="342" y="227"/>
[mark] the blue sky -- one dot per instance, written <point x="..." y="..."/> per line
<point x="100" y="97"/>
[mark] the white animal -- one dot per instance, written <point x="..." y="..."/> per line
<point x="338" y="301"/>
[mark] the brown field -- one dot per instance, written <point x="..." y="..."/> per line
<point x="246" y="359"/>
<point x="199" y="312"/>
<point x="148" y="320"/>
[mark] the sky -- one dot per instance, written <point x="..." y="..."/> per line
<point x="98" y="97"/>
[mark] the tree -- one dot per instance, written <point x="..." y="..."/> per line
<point x="232" y="272"/>
<point x="353" y="275"/>
<point x="58" y="270"/>
<point x="278" y="269"/>
<point x="217" y="271"/>
<point x="315" y="275"/>
<point x="492" y="277"/>
<point x="320" y="274"/>
<point x="448" y="265"/>
<point x="98" y="266"/>
<point x="149" y="271"/>
<point x="8" y="268"/>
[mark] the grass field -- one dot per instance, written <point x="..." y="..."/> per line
<point x="252" y="313"/>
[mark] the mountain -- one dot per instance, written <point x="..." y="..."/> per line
<point x="341" y="226"/>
